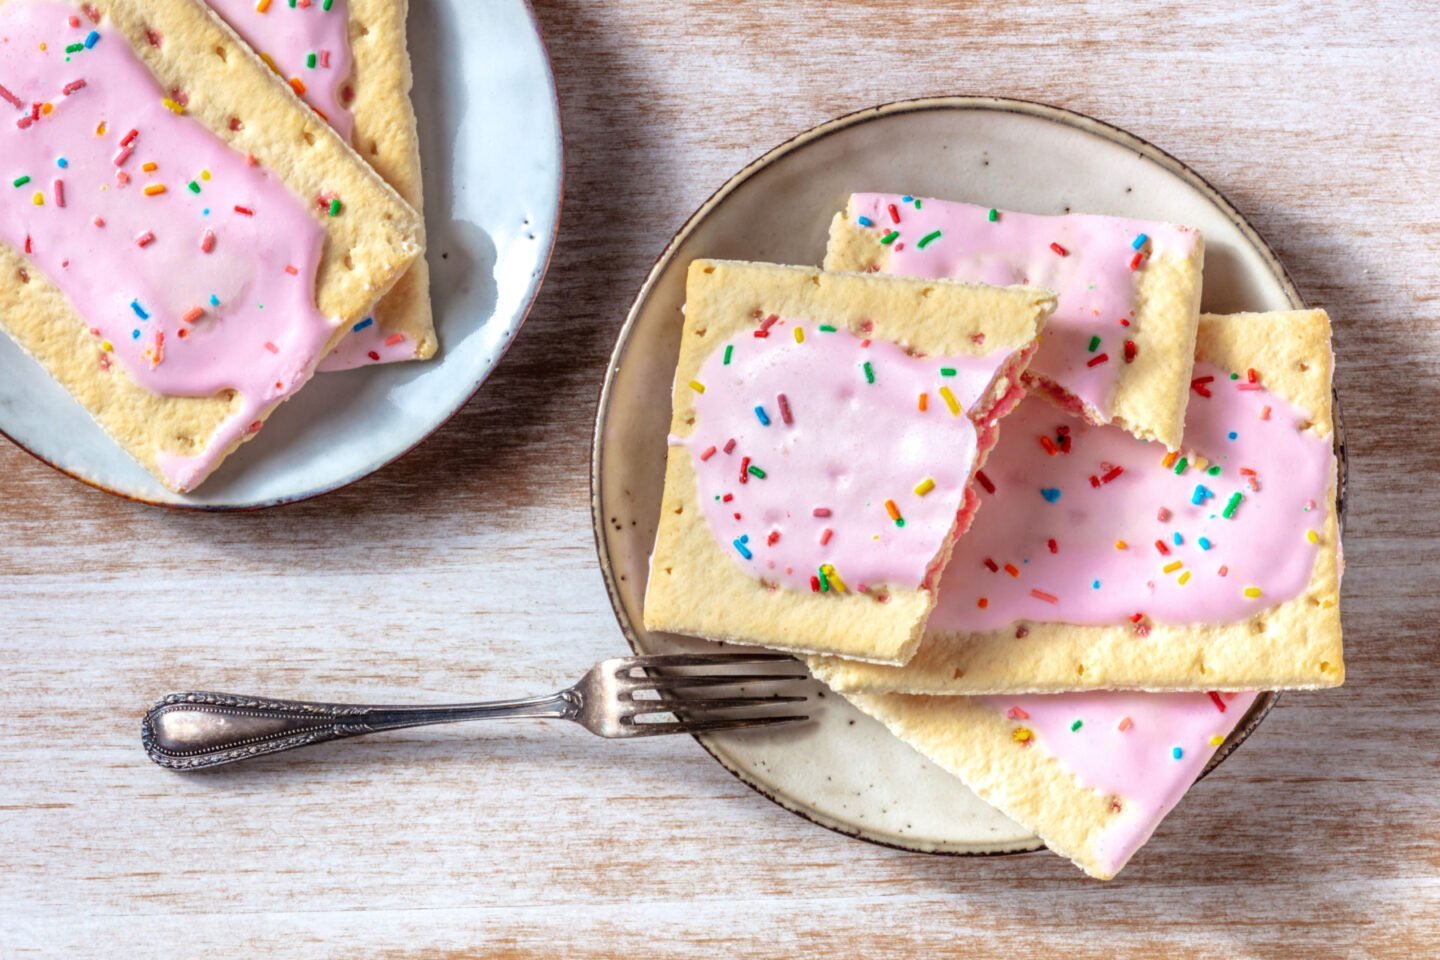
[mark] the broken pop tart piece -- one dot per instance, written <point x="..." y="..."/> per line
<point x="1120" y="344"/>
<point x="825" y="432"/>
<point x="1101" y="562"/>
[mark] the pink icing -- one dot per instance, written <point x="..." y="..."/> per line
<point x="1092" y="277"/>
<point x="1265" y="544"/>
<point x="1138" y="766"/>
<point x="289" y="35"/>
<point x="261" y="334"/>
<point x="850" y="446"/>
<point x="368" y="342"/>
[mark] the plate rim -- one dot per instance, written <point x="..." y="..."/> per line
<point x="1266" y="700"/>
<point x="532" y="295"/>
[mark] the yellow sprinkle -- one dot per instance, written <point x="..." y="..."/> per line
<point x="924" y="402"/>
<point x="950" y="401"/>
<point x="1022" y="734"/>
<point x="150" y="166"/>
<point x="171" y="105"/>
<point x="833" y="577"/>
<point x="100" y="130"/>
<point x="697" y="386"/>
<point x="1252" y="592"/>
<point x="1172" y="566"/>
<point x="270" y="63"/>
<point x="155" y="189"/>
<point x="1184" y="578"/>
<point x="924" y="487"/>
<point x="1169" y="459"/>
<point x="39" y="199"/>
<point x="44" y="47"/>
<point x="260" y="7"/>
<point x="799" y="334"/>
<point x="1312" y="536"/>
<point x="1121" y="545"/>
<point x="107" y="346"/>
<point x="1216" y="740"/>
<point x="204" y="174"/>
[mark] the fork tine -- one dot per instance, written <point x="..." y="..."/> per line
<point x="667" y="683"/>
<point x="704" y="726"/>
<point x="692" y="704"/>
<point x="702" y="660"/>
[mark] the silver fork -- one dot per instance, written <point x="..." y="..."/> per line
<point x="192" y="731"/>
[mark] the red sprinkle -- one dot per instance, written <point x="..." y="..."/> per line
<point x="784" y="403"/>
<point x="10" y="98"/>
<point x="98" y="221"/>
<point x="1136" y="618"/>
<point x="28" y="247"/>
<point x="123" y="155"/>
<point x="771" y="540"/>
<point x="1215" y="699"/>
<point x="145" y="239"/>
<point x="253" y="429"/>
<point x="1054" y="547"/>
<point x="1060" y="250"/>
<point x="769" y="322"/>
<point x="1136" y="260"/>
<point x="72" y="86"/>
<point x="814" y="583"/>
<point x="1251" y="376"/>
<point x="291" y="270"/>
<point x="1042" y="595"/>
<point x="984" y="481"/>
<point x="1163" y="516"/>
<point x="394" y="339"/>
<point x="1097" y="360"/>
<point x="825" y="537"/>
<point x="207" y="242"/>
<point x="1049" y="445"/>
<point x="373" y="355"/>
<point x="245" y="211"/>
<point x="727" y="498"/>
<point x="1224" y="570"/>
<point x="1094" y="481"/>
<point x="271" y="347"/>
<point x="193" y="314"/>
<point x="1017" y="714"/>
<point x="1164" y="550"/>
<point x="129" y="138"/>
<point x="1265" y="414"/>
<point x="1112" y="474"/>
<point x="730" y="445"/>
<point x="745" y="470"/>
<point x="894" y="213"/>
<point x="820" y="512"/>
<point x="1131" y="351"/>
<point x="991" y="565"/>
<point x="709" y="452"/>
<point x="1010" y="569"/>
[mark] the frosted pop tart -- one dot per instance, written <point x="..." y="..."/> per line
<point x="348" y="60"/>
<point x="1119" y="346"/>
<point x="1092" y="774"/>
<point x="824" y="436"/>
<point x="162" y="252"/>
<point x="1100" y="561"/>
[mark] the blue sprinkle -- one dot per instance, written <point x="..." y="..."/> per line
<point x="214" y="300"/>
<point x="1233" y="435"/>
<point x="139" y="310"/>
<point x="1095" y="585"/>
<point x="134" y="334"/>
<point x="1200" y="495"/>
<point x="1204" y="543"/>
<point x="1176" y="752"/>
<point x="362" y="324"/>
<point x="62" y="163"/>
<point x="205" y="212"/>
<point x="763" y="416"/>
<point x="906" y="199"/>
<point x="744" y="550"/>
<point x="1051" y="494"/>
<point x="91" y="40"/>
<point x="1178" y="539"/>
<point x="1140" y="241"/>
<point x="866" y="222"/>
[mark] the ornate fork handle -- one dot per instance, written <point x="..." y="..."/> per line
<point x="190" y="731"/>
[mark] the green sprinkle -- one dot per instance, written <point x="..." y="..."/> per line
<point x="933" y="235"/>
<point x="335" y="208"/>
<point x="75" y="48"/>
<point x="1229" y="510"/>
<point x="310" y="60"/>
<point x="994" y="215"/>
<point x="899" y="521"/>
<point x="326" y="4"/>
<point x="1076" y="725"/>
<point x="890" y="237"/>
<point x="194" y="187"/>
<point x="917" y="203"/>
<point x="21" y="181"/>
<point x="826" y="328"/>
<point x="824" y="581"/>
<point x="1181" y="465"/>
<point x="1213" y="471"/>
<point x="869" y="372"/>
<point x="756" y="472"/>
<point x="1234" y="376"/>
<point x="1094" y="343"/>
<point x="728" y="351"/>
<point x="947" y="371"/>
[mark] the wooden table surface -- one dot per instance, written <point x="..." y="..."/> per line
<point x="468" y="568"/>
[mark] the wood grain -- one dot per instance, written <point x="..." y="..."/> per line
<point x="467" y="569"/>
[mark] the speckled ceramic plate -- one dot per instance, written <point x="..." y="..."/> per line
<point x="490" y="139"/>
<point x="844" y="771"/>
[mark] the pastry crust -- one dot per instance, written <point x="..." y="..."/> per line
<point x="1293" y="645"/>
<point x="694" y="588"/>
<point x="364" y="254"/>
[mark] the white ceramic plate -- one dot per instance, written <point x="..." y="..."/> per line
<point x="490" y="139"/>
<point x="845" y="771"/>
